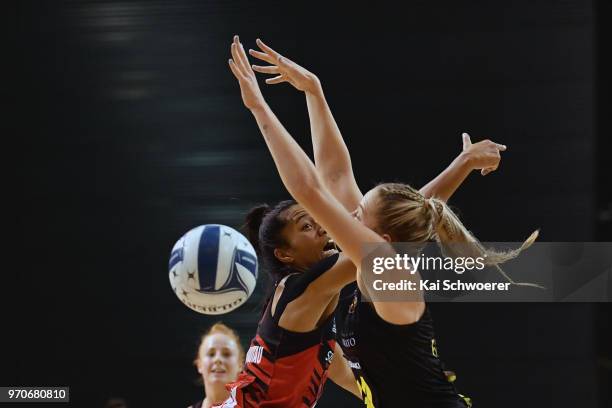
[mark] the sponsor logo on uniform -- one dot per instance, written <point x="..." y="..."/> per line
<point x="350" y="342"/>
<point x="354" y="365"/>
<point x="254" y="354"/>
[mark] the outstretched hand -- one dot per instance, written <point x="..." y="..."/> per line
<point x="484" y="155"/>
<point x="285" y="69"/>
<point x="249" y="88"/>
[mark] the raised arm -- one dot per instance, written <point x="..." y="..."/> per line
<point x="332" y="159"/>
<point x="483" y="156"/>
<point x="301" y="180"/>
<point x="295" y="168"/>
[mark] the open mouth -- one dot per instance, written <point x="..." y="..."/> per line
<point x="218" y="371"/>
<point x="330" y="248"/>
<point x="330" y="245"/>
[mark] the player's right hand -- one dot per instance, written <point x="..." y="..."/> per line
<point x="484" y="155"/>
<point x="249" y="89"/>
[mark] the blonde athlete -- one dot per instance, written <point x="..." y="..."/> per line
<point x="389" y="212"/>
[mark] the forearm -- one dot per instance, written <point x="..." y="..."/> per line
<point x="295" y="168"/>
<point x="447" y="182"/>
<point x="332" y="157"/>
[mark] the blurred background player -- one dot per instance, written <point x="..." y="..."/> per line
<point x="219" y="360"/>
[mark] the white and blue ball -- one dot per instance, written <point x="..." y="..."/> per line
<point x="213" y="269"/>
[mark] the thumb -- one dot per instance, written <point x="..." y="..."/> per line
<point x="467" y="142"/>
<point x="486" y="171"/>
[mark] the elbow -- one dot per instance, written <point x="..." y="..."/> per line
<point x="338" y="173"/>
<point x="334" y="177"/>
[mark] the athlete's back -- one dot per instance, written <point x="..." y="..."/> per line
<point x="395" y="365"/>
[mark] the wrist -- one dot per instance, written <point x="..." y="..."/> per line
<point x="466" y="160"/>
<point x="315" y="87"/>
<point x="259" y="108"/>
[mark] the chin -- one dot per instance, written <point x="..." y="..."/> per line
<point x="219" y="379"/>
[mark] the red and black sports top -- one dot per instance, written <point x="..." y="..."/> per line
<point x="284" y="368"/>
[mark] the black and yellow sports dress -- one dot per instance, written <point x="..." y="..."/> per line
<point x="394" y="365"/>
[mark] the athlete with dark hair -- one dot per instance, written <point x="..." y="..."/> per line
<point x="288" y="360"/>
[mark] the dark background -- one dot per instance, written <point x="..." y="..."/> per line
<point x="133" y="132"/>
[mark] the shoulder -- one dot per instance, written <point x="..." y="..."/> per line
<point x="279" y="290"/>
<point x="327" y="263"/>
<point x="302" y="280"/>
<point x="396" y="316"/>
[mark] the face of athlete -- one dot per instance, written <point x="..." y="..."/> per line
<point x="307" y="241"/>
<point x="218" y="360"/>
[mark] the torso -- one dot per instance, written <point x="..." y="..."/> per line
<point x="301" y="315"/>
<point x="395" y="365"/>
<point x="286" y="368"/>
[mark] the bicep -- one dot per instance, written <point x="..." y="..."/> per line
<point x="338" y="276"/>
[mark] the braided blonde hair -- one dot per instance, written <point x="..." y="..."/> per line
<point x="407" y="216"/>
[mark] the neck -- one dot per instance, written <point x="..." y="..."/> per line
<point x="215" y="395"/>
<point x="298" y="268"/>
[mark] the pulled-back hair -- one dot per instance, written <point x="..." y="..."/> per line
<point x="407" y="216"/>
<point x="264" y="226"/>
<point x="223" y="329"/>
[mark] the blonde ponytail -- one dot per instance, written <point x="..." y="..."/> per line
<point x="407" y="216"/>
<point x="456" y="241"/>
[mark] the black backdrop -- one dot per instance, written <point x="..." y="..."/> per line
<point x="134" y="132"/>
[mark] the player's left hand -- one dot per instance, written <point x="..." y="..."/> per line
<point x="484" y="155"/>
<point x="286" y="70"/>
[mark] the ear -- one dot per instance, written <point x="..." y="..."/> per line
<point x="199" y="365"/>
<point x="283" y="255"/>
<point x="386" y="237"/>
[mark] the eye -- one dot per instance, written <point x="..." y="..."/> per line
<point x="227" y="354"/>
<point x="306" y="227"/>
